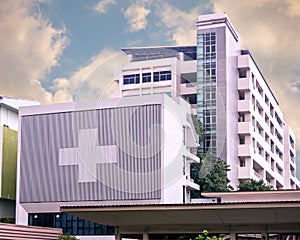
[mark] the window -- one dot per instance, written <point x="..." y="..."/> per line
<point x="190" y="79"/>
<point x="292" y="142"/>
<point x="146" y="77"/>
<point x="267" y="138"/>
<point x="259" y="109"/>
<point x="278" y="120"/>
<point x="162" y="76"/>
<point x="241" y="117"/>
<point x="242" y="140"/>
<point x="242" y="162"/>
<point x="183" y="165"/>
<point x="279" y="137"/>
<point x="183" y="135"/>
<point x="272" y="110"/>
<point x="259" y="149"/>
<point x="292" y="156"/>
<point x="131" y="79"/>
<point x="267" y="100"/>
<point x="69" y="224"/>
<point x="272" y="128"/>
<point x="266" y="119"/>
<point x="267" y="157"/>
<point x="272" y="146"/>
<point x="190" y="98"/>
<point x="272" y="163"/>
<point x="206" y="88"/>
<point x="259" y="89"/>
<point x="241" y="96"/>
<point x="242" y="73"/>
<point x="279" y="170"/>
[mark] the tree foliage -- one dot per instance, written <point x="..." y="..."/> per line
<point x="198" y="127"/>
<point x="205" y="236"/>
<point x="211" y="175"/>
<point x="253" y="185"/>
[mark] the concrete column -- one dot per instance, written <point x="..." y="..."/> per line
<point x="264" y="235"/>
<point x="232" y="236"/>
<point x="117" y="236"/>
<point x="145" y="236"/>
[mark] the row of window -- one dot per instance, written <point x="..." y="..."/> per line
<point x="243" y="73"/>
<point x="257" y="107"/>
<point x="69" y="224"/>
<point x="146" y="77"/>
<point x="261" y="151"/>
<point x="206" y="89"/>
<point x="206" y="39"/>
<point x="275" y="167"/>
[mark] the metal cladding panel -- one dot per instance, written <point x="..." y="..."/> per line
<point x="221" y="94"/>
<point x="9" y="164"/>
<point x="104" y="154"/>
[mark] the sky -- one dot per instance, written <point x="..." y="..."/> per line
<point x="52" y="50"/>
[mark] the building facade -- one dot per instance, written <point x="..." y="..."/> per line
<point x="114" y="151"/>
<point x="243" y="123"/>
<point x="9" y="109"/>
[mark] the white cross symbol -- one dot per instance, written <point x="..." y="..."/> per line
<point x="87" y="155"/>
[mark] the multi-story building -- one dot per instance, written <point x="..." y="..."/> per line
<point x="134" y="150"/>
<point x="9" y="108"/>
<point x="243" y="123"/>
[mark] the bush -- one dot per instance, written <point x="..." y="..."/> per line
<point x="205" y="236"/>
<point x="8" y="220"/>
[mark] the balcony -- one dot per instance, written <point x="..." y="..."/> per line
<point x="244" y="173"/>
<point x="244" y="127"/>
<point x="244" y="150"/>
<point x="243" y="84"/>
<point x="243" y="61"/>
<point x="188" y="88"/>
<point x="243" y="106"/>
<point x="189" y="183"/>
<point x="191" y="157"/>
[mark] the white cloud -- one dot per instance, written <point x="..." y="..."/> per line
<point x="102" y="5"/>
<point x="181" y="24"/>
<point x="136" y="15"/>
<point x="293" y="8"/>
<point x="92" y="81"/>
<point x="30" y="47"/>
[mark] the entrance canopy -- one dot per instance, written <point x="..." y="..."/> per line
<point x="268" y="217"/>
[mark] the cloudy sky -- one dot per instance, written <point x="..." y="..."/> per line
<point x="49" y="48"/>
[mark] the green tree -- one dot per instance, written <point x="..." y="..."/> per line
<point x="253" y="185"/>
<point x="66" y="237"/>
<point x="198" y="127"/>
<point x="211" y="175"/>
<point x="206" y="236"/>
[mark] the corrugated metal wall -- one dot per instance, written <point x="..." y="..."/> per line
<point x="136" y="133"/>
